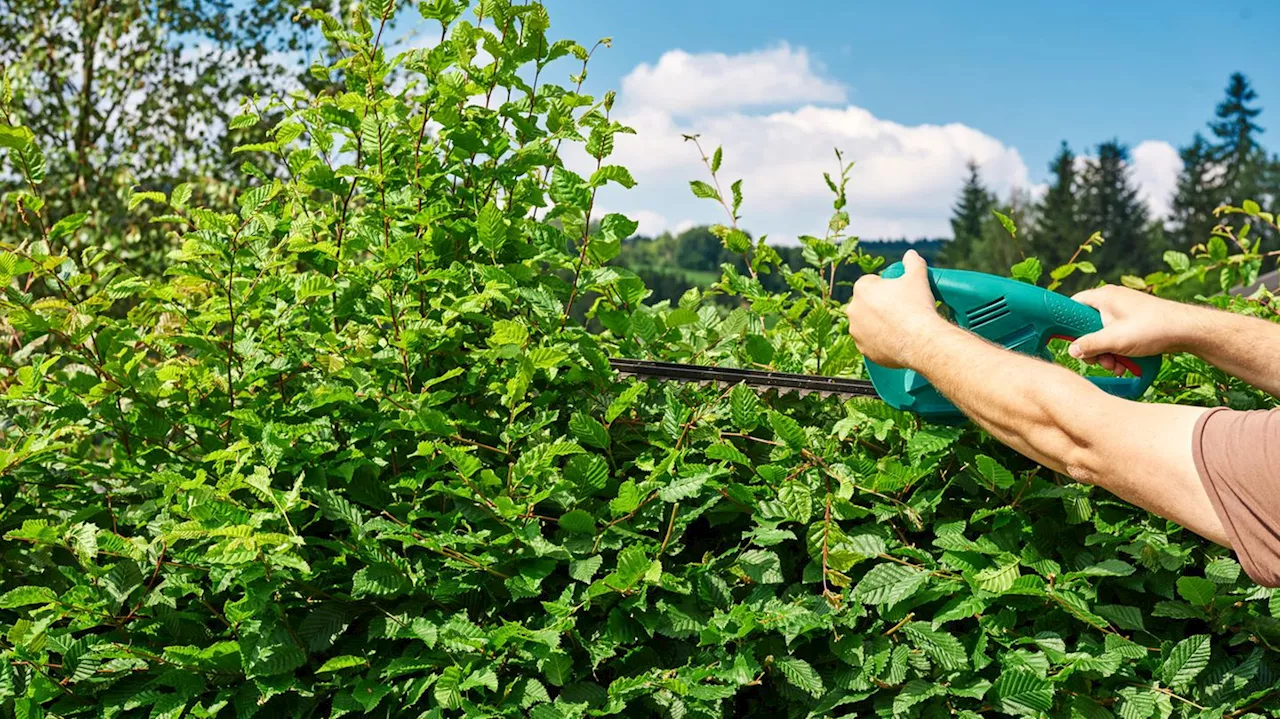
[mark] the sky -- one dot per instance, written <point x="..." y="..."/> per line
<point x="908" y="91"/>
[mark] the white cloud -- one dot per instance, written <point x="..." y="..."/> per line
<point x="904" y="180"/>
<point x="682" y="83"/>
<point x="1156" y="165"/>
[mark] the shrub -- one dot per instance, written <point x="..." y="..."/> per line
<point x="352" y="455"/>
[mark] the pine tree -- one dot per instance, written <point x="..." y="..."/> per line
<point x="1058" y="233"/>
<point x="1246" y="170"/>
<point x="969" y="215"/>
<point x="1199" y="191"/>
<point x="1110" y="204"/>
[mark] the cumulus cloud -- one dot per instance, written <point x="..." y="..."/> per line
<point x="780" y="121"/>
<point x="1156" y="165"/>
<point x="683" y="83"/>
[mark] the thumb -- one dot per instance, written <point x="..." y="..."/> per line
<point x="1088" y="297"/>
<point x="1093" y="344"/>
<point x="913" y="264"/>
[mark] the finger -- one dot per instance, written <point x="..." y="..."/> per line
<point x="1092" y="298"/>
<point x="1091" y="345"/>
<point x="1107" y="361"/>
<point x="913" y="264"/>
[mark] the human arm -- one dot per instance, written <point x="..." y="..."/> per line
<point x="1139" y="452"/>
<point x="1137" y="324"/>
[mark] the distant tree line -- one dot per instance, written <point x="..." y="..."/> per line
<point x="671" y="264"/>
<point x="1099" y="194"/>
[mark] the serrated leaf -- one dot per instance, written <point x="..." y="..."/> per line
<point x="587" y="471"/>
<point x="26" y="596"/>
<point x="589" y="431"/>
<point x="889" y="583"/>
<point x="491" y="228"/>
<point x="583" y="570"/>
<point x="744" y="406"/>
<point x="788" y="430"/>
<point x="800" y="674"/>
<point x="762" y="565"/>
<point x="942" y="647"/>
<point x="624" y="401"/>
<point x="1022" y="693"/>
<point x="703" y="190"/>
<point x="578" y="522"/>
<point x="1197" y="590"/>
<point x="1188" y="658"/>
<point x="345" y="661"/>
<point x="993" y="472"/>
<point x="796" y="498"/>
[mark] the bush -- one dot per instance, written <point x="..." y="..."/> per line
<point x="352" y="455"/>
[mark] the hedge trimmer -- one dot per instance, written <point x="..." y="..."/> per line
<point x="1015" y="315"/>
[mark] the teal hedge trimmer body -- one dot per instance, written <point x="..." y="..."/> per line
<point x="1015" y="315"/>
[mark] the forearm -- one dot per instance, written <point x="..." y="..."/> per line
<point x="1243" y="347"/>
<point x="1020" y="400"/>
<point x="1139" y="452"/>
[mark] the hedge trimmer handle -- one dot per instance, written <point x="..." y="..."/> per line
<point x="1013" y="314"/>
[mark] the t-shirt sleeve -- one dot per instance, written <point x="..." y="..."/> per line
<point x="1237" y="455"/>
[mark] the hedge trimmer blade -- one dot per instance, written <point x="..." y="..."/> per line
<point x="783" y="382"/>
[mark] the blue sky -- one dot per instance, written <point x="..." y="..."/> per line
<point x="1031" y="73"/>
<point x="908" y="90"/>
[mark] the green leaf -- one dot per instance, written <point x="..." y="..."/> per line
<point x="1006" y="223"/>
<point x="624" y="401"/>
<point x="941" y="646"/>
<point x="492" y="228"/>
<point x="744" y="406"/>
<point x="800" y="674"/>
<point x="447" y="689"/>
<point x="67" y="225"/>
<point x="558" y="668"/>
<point x="716" y="159"/>
<point x="703" y="190"/>
<point x="889" y="583"/>
<point x="589" y="472"/>
<point x="138" y="198"/>
<point x="578" y="522"/>
<point x="1177" y="261"/>
<point x="1222" y="570"/>
<point x="345" y="661"/>
<point x="788" y="430"/>
<point x="683" y="487"/>
<point x="1021" y="693"/>
<point x="1188" y="658"/>
<point x="1029" y="271"/>
<point x="999" y="578"/>
<point x="583" y="570"/>
<point x="378" y="580"/>
<point x="1217" y="249"/>
<point x="1197" y="590"/>
<point x="589" y="431"/>
<point x="797" y="500"/>
<point x="180" y="196"/>
<point x="762" y="566"/>
<point x="24" y="596"/>
<point x="1107" y="568"/>
<point x="16" y="137"/>
<point x="612" y="173"/>
<point x="993" y="472"/>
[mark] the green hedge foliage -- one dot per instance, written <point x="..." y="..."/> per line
<point x="352" y="456"/>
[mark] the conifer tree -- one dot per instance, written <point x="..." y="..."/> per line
<point x="1057" y="232"/>
<point x="969" y="216"/>
<point x="1110" y="204"/>
<point x="1198" y="192"/>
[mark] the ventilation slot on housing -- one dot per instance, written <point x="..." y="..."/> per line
<point x="988" y="313"/>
